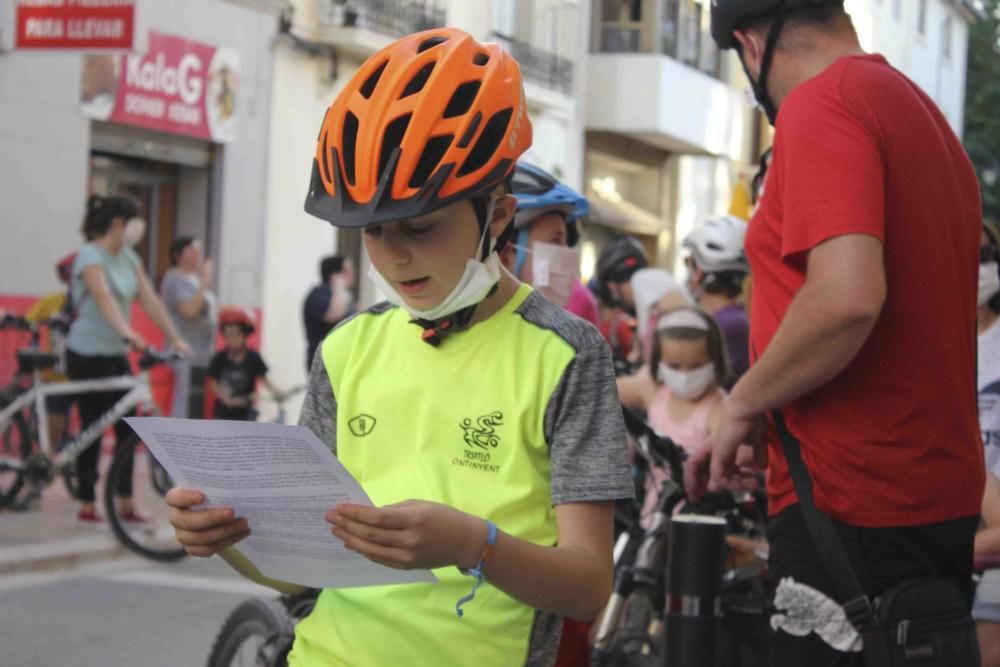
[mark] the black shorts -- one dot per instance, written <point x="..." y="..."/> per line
<point x="882" y="558"/>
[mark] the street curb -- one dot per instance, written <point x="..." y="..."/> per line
<point x="54" y="555"/>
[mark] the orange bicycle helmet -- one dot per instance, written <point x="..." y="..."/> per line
<point x="236" y="315"/>
<point x="431" y="119"/>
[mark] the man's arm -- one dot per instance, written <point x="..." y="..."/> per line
<point x="824" y="328"/>
<point x="826" y="324"/>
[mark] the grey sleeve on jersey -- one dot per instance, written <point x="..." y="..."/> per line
<point x="319" y="411"/>
<point x="586" y="433"/>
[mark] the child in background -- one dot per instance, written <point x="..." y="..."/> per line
<point x="680" y="389"/>
<point x="235" y="370"/>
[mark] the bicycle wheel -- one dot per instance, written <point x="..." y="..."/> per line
<point x="15" y="448"/>
<point x="258" y="633"/>
<point x="147" y="530"/>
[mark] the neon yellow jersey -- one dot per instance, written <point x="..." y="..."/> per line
<point x="504" y="421"/>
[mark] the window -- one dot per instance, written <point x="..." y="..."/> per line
<point x="922" y="17"/>
<point x="946" y="38"/>
<point x="621" y="26"/>
<point x="690" y="33"/>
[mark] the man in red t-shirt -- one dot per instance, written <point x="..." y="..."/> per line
<point x="864" y="260"/>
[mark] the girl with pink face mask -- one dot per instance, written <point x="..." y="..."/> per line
<point x="681" y="388"/>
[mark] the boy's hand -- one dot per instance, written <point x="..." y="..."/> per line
<point x="203" y="532"/>
<point x="410" y="535"/>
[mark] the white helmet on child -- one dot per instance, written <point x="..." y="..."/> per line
<point x="717" y="245"/>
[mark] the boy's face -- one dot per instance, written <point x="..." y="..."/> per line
<point x="234" y="336"/>
<point x="423" y="258"/>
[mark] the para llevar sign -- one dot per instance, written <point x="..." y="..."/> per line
<point x="76" y="25"/>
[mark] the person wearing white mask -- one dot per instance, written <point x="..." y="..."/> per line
<point x="681" y="388"/>
<point x="186" y="290"/>
<point x="545" y="231"/>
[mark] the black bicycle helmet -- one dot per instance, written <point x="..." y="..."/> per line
<point x="621" y="257"/>
<point x="728" y="14"/>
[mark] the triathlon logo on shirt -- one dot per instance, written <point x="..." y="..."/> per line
<point x="480" y="438"/>
<point x="362" y="425"/>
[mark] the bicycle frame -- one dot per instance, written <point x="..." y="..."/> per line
<point x="138" y="394"/>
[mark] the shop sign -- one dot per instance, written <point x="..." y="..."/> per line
<point x="74" y="24"/>
<point x="178" y="86"/>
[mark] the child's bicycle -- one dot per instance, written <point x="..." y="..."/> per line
<point x="28" y="455"/>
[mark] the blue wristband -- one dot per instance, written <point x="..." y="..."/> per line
<point x="477" y="571"/>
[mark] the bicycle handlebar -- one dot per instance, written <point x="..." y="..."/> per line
<point x="21" y="323"/>
<point x="150" y="357"/>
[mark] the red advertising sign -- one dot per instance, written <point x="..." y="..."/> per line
<point x="74" y="24"/>
<point x="178" y="86"/>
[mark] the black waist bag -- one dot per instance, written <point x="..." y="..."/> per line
<point x="922" y="622"/>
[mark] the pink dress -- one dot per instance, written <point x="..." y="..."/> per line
<point x="691" y="434"/>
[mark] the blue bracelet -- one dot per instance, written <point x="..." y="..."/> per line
<point x="477" y="571"/>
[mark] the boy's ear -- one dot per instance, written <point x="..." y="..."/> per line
<point x="503" y="214"/>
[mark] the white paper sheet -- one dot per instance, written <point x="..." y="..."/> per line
<point x="283" y="480"/>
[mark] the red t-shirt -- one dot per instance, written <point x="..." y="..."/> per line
<point x="893" y="440"/>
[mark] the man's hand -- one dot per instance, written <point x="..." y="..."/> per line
<point x="724" y="462"/>
<point x="410" y="535"/>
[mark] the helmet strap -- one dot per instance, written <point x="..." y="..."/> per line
<point x="435" y="331"/>
<point x="760" y="84"/>
<point x="520" y="249"/>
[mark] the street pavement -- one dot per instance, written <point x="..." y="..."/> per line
<point x="71" y="597"/>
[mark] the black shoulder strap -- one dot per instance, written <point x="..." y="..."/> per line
<point x="831" y="550"/>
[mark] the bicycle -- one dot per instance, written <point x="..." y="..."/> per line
<point x="259" y="632"/>
<point x="132" y="465"/>
<point x="631" y="631"/>
<point x="279" y="400"/>
<point x="31" y="497"/>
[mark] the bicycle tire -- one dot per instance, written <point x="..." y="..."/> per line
<point x="154" y="537"/>
<point x="15" y="442"/>
<point x="259" y="618"/>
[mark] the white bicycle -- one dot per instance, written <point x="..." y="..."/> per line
<point x="27" y="454"/>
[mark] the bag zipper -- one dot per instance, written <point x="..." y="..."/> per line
<point x="903" y="627"/>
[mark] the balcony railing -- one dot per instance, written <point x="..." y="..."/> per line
<point x="394" y="18"/>
<point x="538" y="65"/>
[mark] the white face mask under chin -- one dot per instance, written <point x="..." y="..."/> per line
<point x="989" y="281"/>
<point x="474" y="285"/>
<point x="688" y="385"/>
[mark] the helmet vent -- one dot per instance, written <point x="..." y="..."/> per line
<point x="392" y="139"/>
<point x="471" y="131"/>
<point x="369" y="86"/>
<point x="462" y="99"/>
<point x="488" y="142"/>
<point x="430" y="43"/>
<point x="480" y="59"/>
<point x="326" y="162"/>
<point x="416" y="84"/>
<point x="349" y="143"/>
<point x="429" y="159"/>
